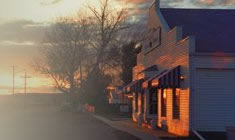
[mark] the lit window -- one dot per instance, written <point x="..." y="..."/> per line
<point x="136" y="102"/>
<point x="163" y="102"/>
<point x="176" y="103"/>
<point x="153" y="100"/>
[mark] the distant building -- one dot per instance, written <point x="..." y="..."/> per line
<point x="116" y="96"/>
<point x="185" y="73"/>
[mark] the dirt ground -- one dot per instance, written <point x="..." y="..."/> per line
<point x="38" y="117"/>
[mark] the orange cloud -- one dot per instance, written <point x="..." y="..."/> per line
<point x="134" y="1"/>
<point x="209" y="2"/>
<point x="43" y="3"/>
<point x="215" y="3"/>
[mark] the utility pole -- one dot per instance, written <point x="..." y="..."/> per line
<point x="25" y="81"/>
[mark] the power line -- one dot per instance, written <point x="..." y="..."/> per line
<point x="13" y="79"/>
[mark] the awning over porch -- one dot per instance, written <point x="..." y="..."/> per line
<point x="165" y="79"/>
<point x="135" y="86"/>
<point x="128" y="88"/>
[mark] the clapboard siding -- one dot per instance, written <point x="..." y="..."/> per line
<point x="206" y="102"/>
<point x="171" y="59"/>
<point x="181" y="126"/>
<point x="172" y="52"/>
<point x="213" y="92"/>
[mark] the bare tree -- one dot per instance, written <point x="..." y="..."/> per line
<point x="77" y="51"/>
<point x="108" y="23"/>
<point x="63" y="51"/>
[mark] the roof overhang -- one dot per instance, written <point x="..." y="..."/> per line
<point x="165" y="79"/>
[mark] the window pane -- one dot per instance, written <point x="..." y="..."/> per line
<point x="163" y="102"/>
<point x="176" y="103"/>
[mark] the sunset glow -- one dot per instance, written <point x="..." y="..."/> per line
<point x="19" y="39"/>
<point x="23" y="24"/>
<point x="38" y="10"/>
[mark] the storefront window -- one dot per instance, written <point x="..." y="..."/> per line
<point x="163" y="102"/>
<point x="136" y="102"/>
<point x="176" y="103"/>
<point x="142" y="102"/>
<point x="153" y="101"/>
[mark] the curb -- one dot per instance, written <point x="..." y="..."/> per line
<point x="136" y="133"/>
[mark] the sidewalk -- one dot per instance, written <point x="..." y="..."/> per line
<point x="134" y="129"/>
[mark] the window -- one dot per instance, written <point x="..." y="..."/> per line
<point x="150" y="44"/>
<point x="136" y="102"/>
<point x="163" y="102"/>
<point x="142" y="102"/>
<point x="176" y="103"/>
<point x="153" y="97"/>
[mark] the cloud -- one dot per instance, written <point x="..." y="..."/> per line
<point x="22" y="31"/>
<point x="138" y="9"/>
<point x="215" y="3"/>
<point x="132" y="1"/>
<point x="12" y="43"/>
<point x="171" y="4"/>
<point x="19" y="40"/>
<point x="36" y="25"/>
<point x="49" y="2"/>
<point x="185" y="3"/>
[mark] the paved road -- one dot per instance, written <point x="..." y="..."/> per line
<point x="24" y="118"/>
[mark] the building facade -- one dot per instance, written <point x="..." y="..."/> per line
<point x="192" y="84"/>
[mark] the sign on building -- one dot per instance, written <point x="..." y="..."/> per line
<point x="153" y="39"/>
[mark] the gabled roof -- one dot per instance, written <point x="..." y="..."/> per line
<point x="214" y="29"/>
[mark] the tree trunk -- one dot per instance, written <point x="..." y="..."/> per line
<point x="80" y="69"/>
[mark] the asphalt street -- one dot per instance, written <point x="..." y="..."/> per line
<point x="39" y="118"/>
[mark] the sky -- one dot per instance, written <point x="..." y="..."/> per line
<point x="23" y="23"/>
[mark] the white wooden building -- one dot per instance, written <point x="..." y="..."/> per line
<point x="192" y="86"/>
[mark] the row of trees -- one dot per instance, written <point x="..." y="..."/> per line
<point x="81" y="54"/>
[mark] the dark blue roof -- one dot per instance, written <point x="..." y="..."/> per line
<point x="214" y="29"/>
